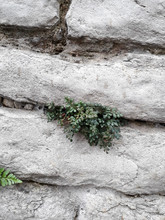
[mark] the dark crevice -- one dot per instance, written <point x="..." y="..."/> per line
<point x="85" y="47"/>
<point x="131" y="195"/>
<point x="149" y="123"/>
<point x="64" y="7"/>
<point x="139" y="4"/>
<point x="51" y="40"/>
<point x="77" y="210"/>
<point x="10" y="103"/>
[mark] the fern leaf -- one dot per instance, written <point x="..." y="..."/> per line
<point x="7" y="178"/>
<point x="1" y="170"/>
<point x="5" y="173"/>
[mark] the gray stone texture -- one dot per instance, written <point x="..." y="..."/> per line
<point x="131" y="21"/>
<point x="39" y="151"/>
<point x="74" y="181"/>
<point x="39" y="202"/>
<point x="29" y="13"/>
<point x="134" y="83"/>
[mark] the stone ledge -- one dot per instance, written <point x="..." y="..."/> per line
<point x="34" y="201"/>
<point x="125" y="21"/>
<point x="133" y="83"/>
<point x="39" y="151"/>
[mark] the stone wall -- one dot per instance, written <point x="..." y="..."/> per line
<point x="108" y="52"/>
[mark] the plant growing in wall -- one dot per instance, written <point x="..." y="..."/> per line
<point x="99" y="124"/>
<point x="7" y="178"/>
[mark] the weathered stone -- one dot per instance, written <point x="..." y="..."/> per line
<point x="18" y="105"/>
<point x="137" y="21"/>
<point x="38" y="13"/>
<point x="34" y="201"/>
<point x="133" y="83"/>
<point x="8" y="103"/>
<point x="29" y="107"/>
<point x="39" y="151"/>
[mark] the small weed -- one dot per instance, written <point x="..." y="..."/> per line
<point x="99" y="124"/>
<point x="7" y="178"/>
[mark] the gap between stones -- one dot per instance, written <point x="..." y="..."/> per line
<point x="9" y="103"/>
<point x="31" y="105"/>
<point x="92" y="186"/>
<point x="82" y="47"/>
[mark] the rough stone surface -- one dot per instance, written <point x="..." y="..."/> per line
<point x="83" y="203"/>
<point x="108" y="45"/>
<point x="137" y="21"/>
<point x="39" y="151"/>
<point x="134" y="83"/>
<point x="8" y="103"/>
<point x="38" y="13"/>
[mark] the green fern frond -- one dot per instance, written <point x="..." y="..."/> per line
<point x="7" y="178"/>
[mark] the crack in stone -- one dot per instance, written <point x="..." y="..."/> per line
<point x="137" y="173"/>
<point x="41" y="106"/>
<point x="95" y="186"/>
<point x="121" y="204"/>
<point x="138" y="3"/>
<point x="77" y="211"/>
<point x="111" y="208"/>
<point x="29" y="104"/>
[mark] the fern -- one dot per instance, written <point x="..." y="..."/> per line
<point x="7" y="178"/>
<point x="99" y="124"/>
